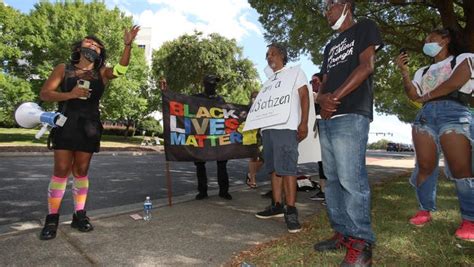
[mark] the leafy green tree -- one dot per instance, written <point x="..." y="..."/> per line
<point x="151" y="126"/>
<point x="185" y="61"/>
<point x="11" y="31"/>
<point x="381" y="144"/>
<point x="303" y="27"/>
<point x="125" y="99"/>
<point x="13" y="92"/>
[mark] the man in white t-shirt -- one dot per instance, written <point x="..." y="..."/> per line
<point x="280" y="143"/>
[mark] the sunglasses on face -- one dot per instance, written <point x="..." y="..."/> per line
<point x="314" y="81"/>
<point x="328" y="4"/>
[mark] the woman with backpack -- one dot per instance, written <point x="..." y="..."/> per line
<point x="444" y="123"/>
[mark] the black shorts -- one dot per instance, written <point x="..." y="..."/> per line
<point x="78" y="134"/>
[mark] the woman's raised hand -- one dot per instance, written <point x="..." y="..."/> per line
<point x="130" y="35"/>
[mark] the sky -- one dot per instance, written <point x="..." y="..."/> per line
<point x="168" y="19"/>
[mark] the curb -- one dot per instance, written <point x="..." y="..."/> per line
<point x="113" y="153"/>
<point x="30" y="226"/>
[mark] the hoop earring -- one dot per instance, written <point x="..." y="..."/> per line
<point x="75" y="56"/>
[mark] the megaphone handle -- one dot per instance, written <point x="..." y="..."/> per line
<point x="41" y="131"/>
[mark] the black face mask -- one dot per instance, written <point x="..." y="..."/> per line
<point x="210" y="88"/>
<point x="89" y="54"/>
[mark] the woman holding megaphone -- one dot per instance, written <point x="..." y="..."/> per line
<point x="78" y="87"/>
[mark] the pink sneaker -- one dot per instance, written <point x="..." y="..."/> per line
<point x="466" y="231"/>
<point x="421" y="218"/>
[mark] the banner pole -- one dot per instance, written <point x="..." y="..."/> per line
<point x="168" y="183"/>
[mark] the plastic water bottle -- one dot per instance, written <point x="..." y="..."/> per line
<point x="147" y="209"/>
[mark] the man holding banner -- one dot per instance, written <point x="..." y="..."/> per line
<point x="204" y="128"/>
<point x="210" y="84"/>
<point x="281" y="111"/>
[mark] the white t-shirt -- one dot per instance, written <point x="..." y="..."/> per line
<point x="441" y="71"/>
<point x="295" y="110"/>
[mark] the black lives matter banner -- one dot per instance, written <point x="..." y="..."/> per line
<point x="199" y="129"/>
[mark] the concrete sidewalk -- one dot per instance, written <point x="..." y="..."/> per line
<point x="197" y="233"/>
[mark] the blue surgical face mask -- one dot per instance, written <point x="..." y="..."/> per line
<point x="432" y="49"/>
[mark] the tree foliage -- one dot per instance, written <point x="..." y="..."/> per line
<point x="125" y="99"/>
<point x="11" y="31"/>
<point x="380" y="144"/>
<point x="185" y="61"/>
<point x="150" y="126"/>
<point x="303" y="27"/>
<point x="13" y="92"/>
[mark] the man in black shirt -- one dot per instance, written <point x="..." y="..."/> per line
<point x="346" y="101"/>
<point x="210" y="84"/>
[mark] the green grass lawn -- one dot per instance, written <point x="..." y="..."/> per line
<point x="26" y="137"/>
<point x="398" y="243"/>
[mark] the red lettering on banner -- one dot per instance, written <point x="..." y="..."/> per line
<point x="200" y="139"/>
<point x="176" y="108"/>
<point x="231" y="125"/>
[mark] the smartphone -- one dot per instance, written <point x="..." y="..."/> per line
<point x="83" y="84"/>
<point x="403" y="50"/>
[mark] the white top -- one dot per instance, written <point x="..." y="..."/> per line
<point x="295" y="110"/>
<point x="441" y="71"/>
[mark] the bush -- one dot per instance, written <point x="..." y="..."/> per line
<point x="381" y="144"/>
<point x="151" y="126"/>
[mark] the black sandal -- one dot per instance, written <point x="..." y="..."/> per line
<point x="249" y="184"/>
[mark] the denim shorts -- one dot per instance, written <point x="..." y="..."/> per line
<point x="441" y="117"/>
<point x="280" y="151"/>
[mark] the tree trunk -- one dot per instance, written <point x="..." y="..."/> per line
<point x="468" y="6"/>
<point x="135" y="128"/>
<point x="126" y="129"/>
<point x="449" y="19"/>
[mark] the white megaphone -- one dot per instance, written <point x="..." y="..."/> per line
<point x="29" y="115"/>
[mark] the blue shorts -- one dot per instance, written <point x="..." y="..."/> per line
<point x="280" y="151"/>
<point x="441" y="117"/>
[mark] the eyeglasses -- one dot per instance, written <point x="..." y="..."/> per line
<point x="328" y="4"/>
<point x="315" y="81"/>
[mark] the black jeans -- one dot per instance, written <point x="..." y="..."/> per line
<point x="222" y="176"/>
<point x="321" y="171"/>
<point x="320" y="163"/>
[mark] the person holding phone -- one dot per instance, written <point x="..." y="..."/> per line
<point x="78" y="86"/>
<point x="444" y="123"/>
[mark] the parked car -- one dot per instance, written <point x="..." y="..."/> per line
<point x="393" y="147"/>
<point x="406" y="147"/>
